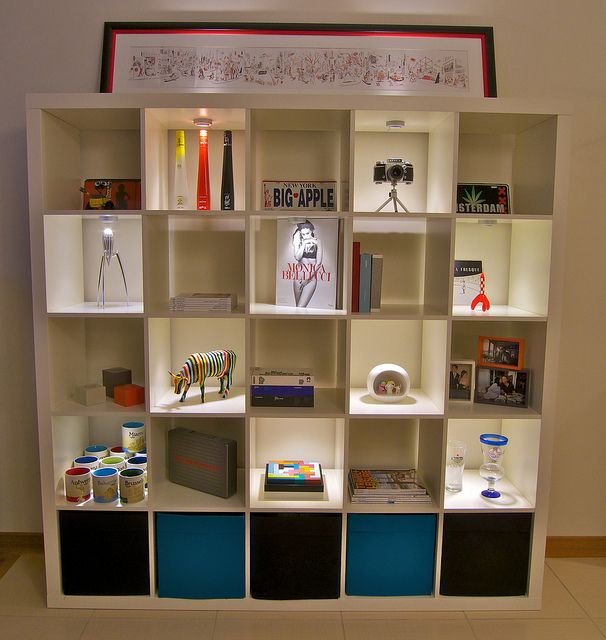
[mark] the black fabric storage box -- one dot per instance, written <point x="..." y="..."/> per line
<point x="295" y="556"/>
<point x="91" y="545"/>
<point x="485" y="554"/>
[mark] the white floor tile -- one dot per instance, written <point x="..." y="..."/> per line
<point x="39" y="628"/>
<point x="557" y="603"/>
<point x="411" y="629"/>
<point x="585" y="578"/>
<point x="23" y="590"/>
<point x="353" y="616"/>
<point x="154" y="613"/>
<point x="175" y="628"/>
<point x="257" y="625"/>
<point x="601" y="625"/>
<point x="536" y="629"/>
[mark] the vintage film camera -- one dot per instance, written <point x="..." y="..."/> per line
<point x="393" y="170"/>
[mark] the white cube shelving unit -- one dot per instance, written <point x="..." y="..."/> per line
<point x="166" y="252"/>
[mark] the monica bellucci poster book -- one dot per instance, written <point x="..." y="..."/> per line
<point x="307" y="253"/>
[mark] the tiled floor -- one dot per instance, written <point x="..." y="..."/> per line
<point x="574" y="608"/>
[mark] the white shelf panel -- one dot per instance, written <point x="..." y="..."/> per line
<point x="91" y="308"/>
<point x="496" y="312"/>
<point x="262" y="309"/>
<point x="168" y="496"/>
<point x="474" y="410"/>
<point x="235" y="403"/>
<point x="73" y="408"/>
<point x="415" y="403"/>
<point x="408" y="507"/>
<point x="470" y="497"/>
<point x="331" y="498"/>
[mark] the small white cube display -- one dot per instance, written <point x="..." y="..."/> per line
<point x="388" y="382"/>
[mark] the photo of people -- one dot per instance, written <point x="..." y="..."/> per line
<point x="502" y="387"/>
<point x="507" y="353"/>
<point x="461" y="380"/>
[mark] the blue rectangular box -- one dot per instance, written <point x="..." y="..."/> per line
<point x="200" y="555"/>
<point x="390" y="554"/>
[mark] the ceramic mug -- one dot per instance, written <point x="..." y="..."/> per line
<point x="132" y="485"/>
<point x="77" y="484"/>
<point x="89" y="462"/>
<point x="105" y="484"/>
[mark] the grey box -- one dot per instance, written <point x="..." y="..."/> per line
<point x="202" y="461"/>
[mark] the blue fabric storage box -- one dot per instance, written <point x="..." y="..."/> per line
<point x="200" y="555"/>
<point x="390" y="554"/>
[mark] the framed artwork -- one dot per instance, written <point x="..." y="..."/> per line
<point x="506" y="353"/>
<point x="298" y="58"/>
<point x="461" y="380"/>
<point x="502" y="387"/>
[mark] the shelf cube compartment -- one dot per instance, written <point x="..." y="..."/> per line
<point x="417" y="248"/>
<point x="73" y="253"/>
<point x="200" y="556"/>
<point x="426" y="140"/>
<point x="419" y="346"/>
<point x="107" y="535"/>
<point x="161" y="126"/>
<point x="81" y="144"/>
<point x="172" y="341"/>
<point x="72" y="434"/>
<point x="176" y="497"/>
<point x="292" y="145"/>
<point x="194" y="254"/>
<point x="529" y="388"/>
<point x="514" y="149"/>
<point x="397" y="443"/>
<point x="485" y="554"/>
<point x="295" y="556"/>
<point x="262" y="276"/>
<point x="81" y="348"/>
<point x="515" y="257"/>
<point x="518" y="487"/>
<point x="390" y="554"/>
<point x="304" y="344"/>
<point x="297" y="438"/>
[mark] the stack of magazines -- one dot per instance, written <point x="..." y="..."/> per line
<point x="386" y="486"/>
<point x="203" y="302"/>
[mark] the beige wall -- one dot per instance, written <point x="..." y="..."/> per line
<point x="547" y="50"/>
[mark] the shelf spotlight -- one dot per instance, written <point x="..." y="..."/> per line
<point x="395" y="124"/>
<point x="203" y="122"/>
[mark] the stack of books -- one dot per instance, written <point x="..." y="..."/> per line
<point x="203" y="302"/>
<point x="367" y="280"/>
<point x="386" y="486"/>
<point x="293" y="475"/>
<point x="275" y="388"/>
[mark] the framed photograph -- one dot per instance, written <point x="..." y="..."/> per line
<point x="298" y="58"/>
<point x="502" y="387"/>
<point x="506" y="353"/>
<point x="461" y="380"/>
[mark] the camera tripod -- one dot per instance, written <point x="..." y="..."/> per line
<point x="393" y="197"/>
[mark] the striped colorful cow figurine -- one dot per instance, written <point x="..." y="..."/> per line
<point x="199" y="366"/>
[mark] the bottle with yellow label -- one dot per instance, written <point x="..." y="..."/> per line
<point x="180" y="196"/>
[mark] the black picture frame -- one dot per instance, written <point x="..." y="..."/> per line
<point x="483" y="35"/>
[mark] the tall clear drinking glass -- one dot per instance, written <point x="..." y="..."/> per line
<point x="455" y="465"/>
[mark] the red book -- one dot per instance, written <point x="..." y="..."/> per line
<point x="355" y="277"/>
<point x="203" y="199"/>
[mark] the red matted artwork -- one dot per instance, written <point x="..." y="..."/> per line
<point x="310" y="58"/>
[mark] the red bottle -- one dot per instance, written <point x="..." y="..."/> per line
<point x="203" y="198"/>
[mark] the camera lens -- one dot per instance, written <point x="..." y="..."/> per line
<point x="395" y="173"/>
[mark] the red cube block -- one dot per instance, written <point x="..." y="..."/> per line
<point x="128" y="395"/>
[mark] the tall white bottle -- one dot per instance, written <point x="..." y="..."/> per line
<point x="180" y="196"/>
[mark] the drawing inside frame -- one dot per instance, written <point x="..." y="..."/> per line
<point x="310" y="58"/>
